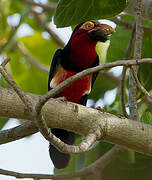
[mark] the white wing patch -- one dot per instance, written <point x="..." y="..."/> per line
<point x="52" y="83"/>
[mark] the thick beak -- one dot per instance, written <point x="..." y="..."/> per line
<point x="101" y="32"/>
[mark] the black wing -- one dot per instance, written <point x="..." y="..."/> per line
<point x="55" y="62"/>
<point x="94" y="76"/>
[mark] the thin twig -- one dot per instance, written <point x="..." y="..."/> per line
<point x="122" y="82"/>
<point x="100" y="163"/>
<point x="4" y="63"/>
<point x="56" y="38"/>
<point x="44" y="68"/>
<point x="43" y="99"/>
<point x="137" y="56"/>
<point x="122" y="92"/>
<point x="127" y="25"/>
<point x="111" y="77"/>
<point x="42" y="123"/>
<point x="47" y="7"/>
<point x="139" y="84"/>
<point x="24" y="14"/>
<point x="86" y="72"/>
<point x="41" y="21"/>
<point x="12" y="83"/>
<point x="32" y="60"/>
<point x="132" y="37"/>
<point x="60" y="145"/>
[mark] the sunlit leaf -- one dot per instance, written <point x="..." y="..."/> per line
<point x="3" y="121"/>
<point x="146" y="117"/>
<point x="70" y="12"/>
<point x="40" y="48"/>
<point x="118" y="44"/>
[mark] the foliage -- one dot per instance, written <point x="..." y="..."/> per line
<point x="71" y="12"/>
<point x="31" y="79"/>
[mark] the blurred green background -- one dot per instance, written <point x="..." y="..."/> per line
<point x="27" y="36"/>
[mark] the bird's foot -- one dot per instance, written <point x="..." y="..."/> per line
<point x="62" y="99"/>
<point x="120" y="116"/>
<point x="100" y="109"/>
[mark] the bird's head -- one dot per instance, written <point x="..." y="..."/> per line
<point x="92" y="31"/>
<point x="81" y="48"/>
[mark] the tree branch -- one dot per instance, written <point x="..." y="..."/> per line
<point x="86" y="72"/>
<point x="12" y="83"/>
<point x="122" y="82"/>
<point x="54" y="36"/>
<point x="98" y="164"/>
<point x="139" y="84"/>
<point x="44" y="68"/>
<point x="9" y="43"/>
<point x="63" y="115"/>
<point x="95" y="133"/>
<point x="40" y="120"/>
<point x="32" y="60"/>
<point x="47" y="7"/>
<point x="137" y="56"/>
<point x="127" y="25"/>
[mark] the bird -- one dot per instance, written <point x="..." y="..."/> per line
<point x="77" y="55"/>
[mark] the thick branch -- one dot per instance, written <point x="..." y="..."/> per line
<point x="78" y="119"/>
<point x="12" y="83"/>
<point x="70" y="80"/>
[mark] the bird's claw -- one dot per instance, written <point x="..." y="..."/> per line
<point x="99" y="109"/>
<point x="62" y="99"/>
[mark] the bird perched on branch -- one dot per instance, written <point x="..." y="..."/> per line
<point x="77" y="55"/>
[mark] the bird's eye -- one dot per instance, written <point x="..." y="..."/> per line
<point x="88" y="25"/>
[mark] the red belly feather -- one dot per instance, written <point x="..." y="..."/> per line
<point x="76" y="90"/>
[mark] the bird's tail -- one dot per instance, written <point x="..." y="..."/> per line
<point x="59" y="159"/>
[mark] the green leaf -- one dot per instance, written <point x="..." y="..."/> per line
<point x="4" y="10"/>
<point x="146" y="117"/>
<point x="145" y="78"/>
<point x="101" y="85"/>
<point x="123" y="168"/>
<point x="16" y="7"/>
<point x="3" y="83"/>
<point x="3" y="121"/>
<point x="118" y="44"/>
<point x="54" y="1"/>
<point x="70" y="12"/>
<point x="40" y="48"/>
<point x="96" y="152"/>
<point x="28" y="77"/>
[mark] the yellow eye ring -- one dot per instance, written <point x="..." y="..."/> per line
<point x="88" y="25"/>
